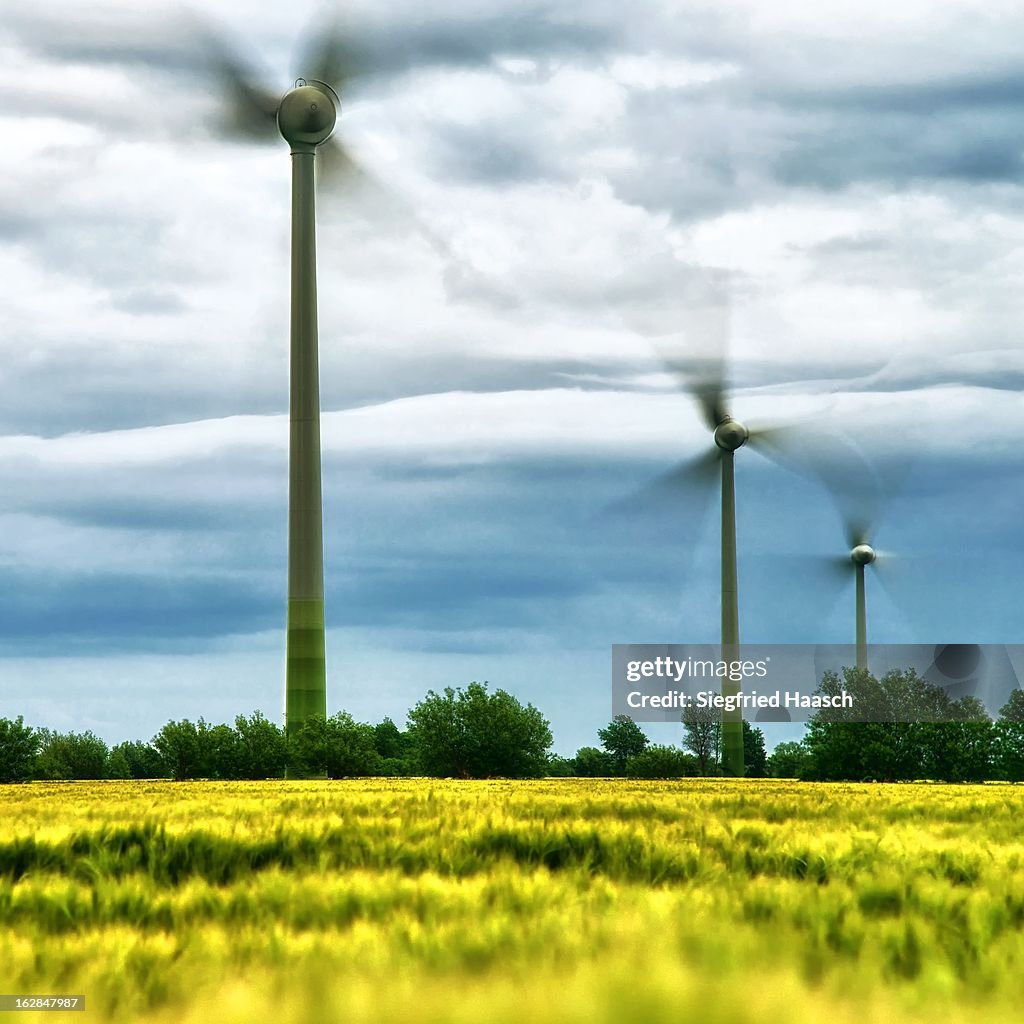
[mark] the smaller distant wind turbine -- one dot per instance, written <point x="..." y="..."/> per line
<point x="861" y="555"/>
<point x="860" y="491"/>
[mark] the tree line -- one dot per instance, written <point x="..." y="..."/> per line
<point x="472" y="732"/>
<point x="918" y="732"/>
<point x="468" y="733"/>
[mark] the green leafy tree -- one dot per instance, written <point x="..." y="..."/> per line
<point x="656" y="761"/>
<point x="755" y="757"/>
<point x="702" y="736"/>
<point x="261" y="748"/>
<point x="220" y="752"/>
<point x="471" y="733"/>
<point x="560" y="767"/>
<point x="142" y="759"/>
<point x="894" y="744"/>
<point x="787" y="760"/>
<point x="180" y="747"/>
<point x="117" y="765"/>
<point x="962" y="749"/>
<point x="395" y="748"/>
<point x="337" y="746"/>
<point x="1013" y="709"/>
<point x="623" y="739"/>
<point x="19" y="744"/>
<point x="592" y="763"/>
<point x="1008" y="740"/>
<point x="72" y="756"/>
<point x="388" y="739"/>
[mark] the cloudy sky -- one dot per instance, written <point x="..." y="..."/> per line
<point x="550" y="192"/>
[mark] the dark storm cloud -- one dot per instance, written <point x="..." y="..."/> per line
<point x="146" y="392"/>
<point x="958" y="128"/>
<point x="155" y="37"/>
<point x="138" y="390"/>
<point x="371" y="42"/>
<point x="706" y="147"/>
<point x="891" y="146"/>
<point x="108" y="610"/>
<point x="483" y="548"/>
<point x="983" y="89"/>
<point x="750" y="138"/>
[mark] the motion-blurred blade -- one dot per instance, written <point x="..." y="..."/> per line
<point x="784" y="443"/>
<point x="689" y="330"/>
<point x="251" y="109"/>
<point x="710" y="394"/>
<point x="704" y="378"/>
<point x="368" y="198"/>
<point x="896" y="573"/>
<point x="810" y="588"/>
<point x="822" y="572"/>
<point x="684" y="490"/>
<point x="857" y="529"/>
<point x="903" y="579"/>
<point x="326" y="54"/>
<point x="696" y="356"/>
<point x="828" y="579"/>
<point x="337" y="168"/>
<point x="834" y="462"/>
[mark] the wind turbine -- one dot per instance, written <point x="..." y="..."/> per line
<point x="305" y="117"/>
<point x="705" y="378"/>
<point x="859" y="493"/>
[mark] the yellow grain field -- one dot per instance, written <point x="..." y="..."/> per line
<point x="515" y="902"/>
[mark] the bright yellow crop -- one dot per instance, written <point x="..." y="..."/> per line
<point x="485" y="902"/>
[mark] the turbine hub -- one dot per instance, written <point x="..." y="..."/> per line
<point x="307" y="115"/>
<point x="730" y="435"/>
<point x="863" y="554"/>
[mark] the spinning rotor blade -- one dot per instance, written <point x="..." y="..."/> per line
<point x="709" y="390"/>
<point x="337" y="167"/>
<point x="326" y="56"/>
<point x="684" y="490"/>
<point x="830" y="575"/>
<point x="251" y="109"/>
<point x="836" y="463"/>
<point x="689" y="331"/>
<point x="371" y="199"/>
<point x="251" y="114"/>
<point x="783" y="443"/>
<point x="857" y="530"/>
<point x="705" y="380"/>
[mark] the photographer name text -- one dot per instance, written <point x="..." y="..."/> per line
<point x="734" y="701"/>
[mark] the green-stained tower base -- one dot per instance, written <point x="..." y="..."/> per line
<point x="305" y="671"/>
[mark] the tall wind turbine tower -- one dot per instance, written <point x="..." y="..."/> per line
<point x="306" y="119"/>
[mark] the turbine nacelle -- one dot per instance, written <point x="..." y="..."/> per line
<point x="730" y="435"/>
<point x="862" y="554"/>
<point x="307" y="115"/>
